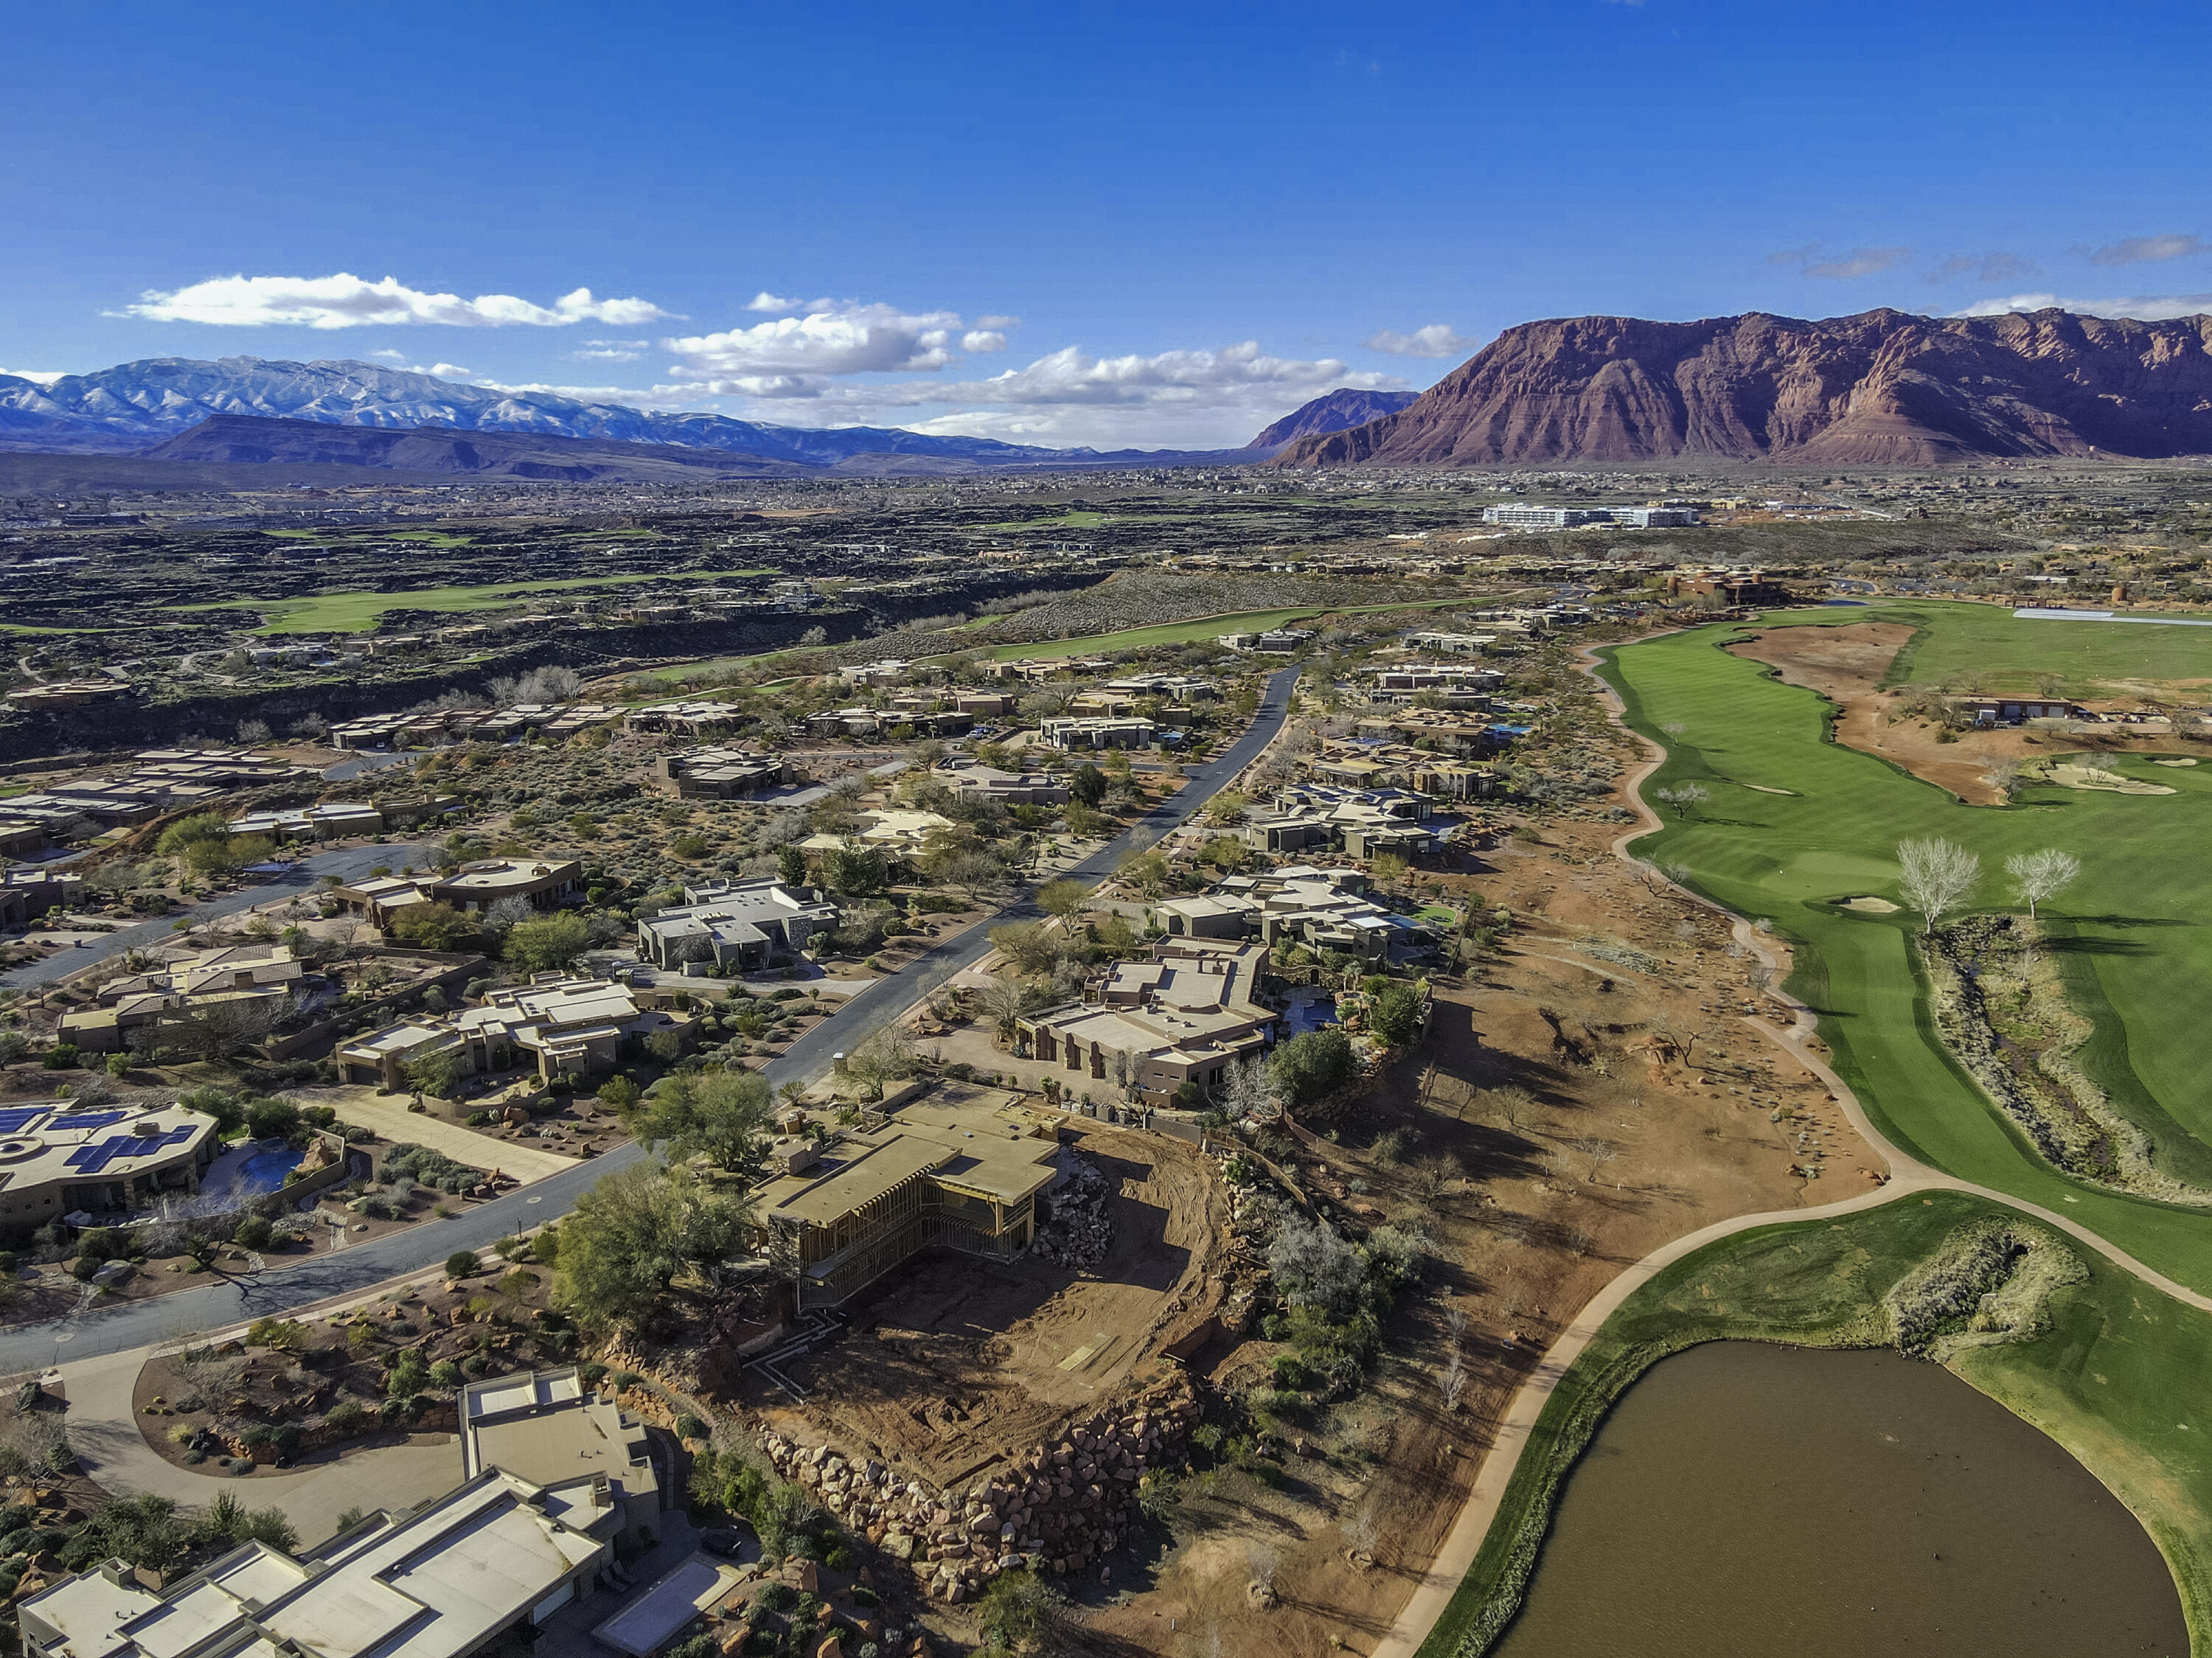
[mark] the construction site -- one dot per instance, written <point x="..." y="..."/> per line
<point x="988" y="1296"/>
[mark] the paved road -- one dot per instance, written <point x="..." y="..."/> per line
<point x="348" y="864"/>
<point x="349" y="1272"/>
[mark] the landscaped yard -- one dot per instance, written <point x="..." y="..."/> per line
<point x="2134" y="931"/>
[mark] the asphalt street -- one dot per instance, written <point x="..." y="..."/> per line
<point x="349" y="1272"/>
<point x="348" y="865"/>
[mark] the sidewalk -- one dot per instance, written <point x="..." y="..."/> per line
<point x="114" y="1452"/>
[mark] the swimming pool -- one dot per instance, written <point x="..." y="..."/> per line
<point x="265" y="1171"/>
<point x="1307" y="1013"/>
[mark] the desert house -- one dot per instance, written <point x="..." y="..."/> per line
<point x="1148" y="1027"/>
<point x="558" y="1025"/>
<point x="746" y="924"/>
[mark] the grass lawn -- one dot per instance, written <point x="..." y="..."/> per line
<point x="2137" y="925"/>
<point x="431" y="537"/>
<point x="1200" y="628"/>
<point x="1986" y="648"/>
<point x="2116" y="1379"/>
<point x="359" y="612"/>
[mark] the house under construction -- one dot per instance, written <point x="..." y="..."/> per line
<point x="960" y="1169"/>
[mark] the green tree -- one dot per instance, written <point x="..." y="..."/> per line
<point x="1310" y="1067"/>
<point x="791" y="863"/>
<point x="634" y="1233"/>
<point x="720" y="1114"/>
<point x="1018" y="1612"/>
<point x="550" y="942"/>
<point x="438" y="1075"/>
<point x="1394" y="1015"/>
<point x="432" y="926"/>
<point x="854" y="870"/>
<point x="1065" y="897"/>
<point x="1088" y="785"/>
<point x="186" y="832"/>
<point x="618" y="1094"/>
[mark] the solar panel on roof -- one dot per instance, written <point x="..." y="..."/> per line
<point x="16" y="1118"/>
<point x="91" y="1159"/>
<point x="89" y="1120"/>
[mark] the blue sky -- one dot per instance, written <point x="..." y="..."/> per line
<point x="1064" y="223"/>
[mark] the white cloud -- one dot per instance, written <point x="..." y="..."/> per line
<point x="1188" y="399"/>
<point x="983" y="340"/>
<point x="1984" y="267"/>
<point x="2145" y="249"/>
<point x="765" y="300"/>
<point x="690" y="395"/>
<point x="847" y="338"/>
<point x="1436" y="340"/>
<point x="36" y="376"/>
<point x="1812" y="261"/>
<point x="350" y="301"/>
<point x="389" y="356"/>
<point x="606" y="354"/>
<point x="1001" y="322"/>
<point x="2149" y="307"/>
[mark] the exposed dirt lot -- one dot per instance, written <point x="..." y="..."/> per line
<point x="1552" y="1131"/>
<point x="1846" y="664"/>
<point x="945" y="1372"/>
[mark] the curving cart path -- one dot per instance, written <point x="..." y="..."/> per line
<point x="1906" y="1175"/>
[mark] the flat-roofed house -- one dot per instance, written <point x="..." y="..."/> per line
<point x="497" y="1553"/>
<point x="56" y="1161"/>
<point x="748" y="923"/>
<point x="542" y="882"/>
<point x="550" y="1430"/>
<point x="560" y="1024"/>
<point x="1150" y="1027"/>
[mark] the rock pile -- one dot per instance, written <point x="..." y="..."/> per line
<point x="1079" y="1233"/>
<point x="1057" y="1509"/>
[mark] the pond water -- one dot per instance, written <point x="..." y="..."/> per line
<point x="1744" y="1500"/>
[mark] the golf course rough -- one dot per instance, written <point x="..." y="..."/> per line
<point x="2110" y="1368"/>
<point x="2133" y="935"/>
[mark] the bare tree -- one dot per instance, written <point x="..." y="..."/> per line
<point x="1595" y="1154"/>
<point x="1247" y="1092"/>
<point x="2040" y="876"/>
<point x="1936" y="875"/>
<point x="1515" y="1106"/>
<point x="1453" y="1382"/>
<point x="1686" y="797"/>
<point x="2003" y="777"/>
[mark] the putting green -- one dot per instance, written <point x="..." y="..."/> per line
<point x="2133" y="934"/>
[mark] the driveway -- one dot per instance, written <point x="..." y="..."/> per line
<point x="349" y="864"/>
<point x="279" y="1290"/>
<point x="106" y="1436"/>
<point x="390" y="1117"/>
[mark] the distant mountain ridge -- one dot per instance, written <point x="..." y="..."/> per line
<point x="1881" y="388"/>
<point x="258" y="441"/>
<point x="1333" y="411"/>
<point x="125" y="409"/>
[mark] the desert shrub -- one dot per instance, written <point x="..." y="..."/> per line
<point x="462" y="1263"/>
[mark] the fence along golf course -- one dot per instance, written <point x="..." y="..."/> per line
<point x="2112" y="1369"/>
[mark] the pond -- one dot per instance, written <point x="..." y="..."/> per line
<point x="1744" y="1500"/>
<point x="251" y="1170"/>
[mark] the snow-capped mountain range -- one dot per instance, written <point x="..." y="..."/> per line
<point x="134" y="405"/>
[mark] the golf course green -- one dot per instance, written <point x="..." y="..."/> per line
<point x="2135" y="932"/>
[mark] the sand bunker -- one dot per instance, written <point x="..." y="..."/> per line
<point x="1868" y="906"/>
<point x="1768" y="788"/>
<point x="2185" y="761"/>
<point x="2109" y="782"/>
